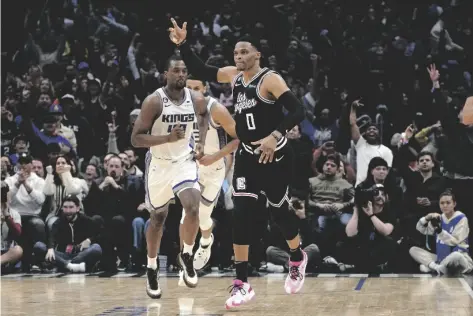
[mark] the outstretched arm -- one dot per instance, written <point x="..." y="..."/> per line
<point x="221" y="116"/>
<point x="195" y="65"/>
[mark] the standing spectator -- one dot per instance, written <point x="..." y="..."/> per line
<point x="367" y="147"/>
<point x="423" y="187"/>
<point x="72" y="242"/>
<point x="120" y="196"/>
<point x="27" y="198"/>
<point x="10" y="225"/>
<point x="451" y="229"/>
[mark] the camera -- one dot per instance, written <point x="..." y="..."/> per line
<point x="364" y="195"/>
<point x="5" y="190"/>
<point x="435" y="221"/>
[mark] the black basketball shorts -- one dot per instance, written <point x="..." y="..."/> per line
<point x="271" y="180"/>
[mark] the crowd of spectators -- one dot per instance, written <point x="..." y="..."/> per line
<point x="381" y="153"/>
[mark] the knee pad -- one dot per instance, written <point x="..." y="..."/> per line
<point x="205" y="212"/>
<point x="242" y="219"/>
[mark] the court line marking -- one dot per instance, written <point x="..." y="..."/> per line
<point x="360" y="284"/>
<point x="466" y="286"/>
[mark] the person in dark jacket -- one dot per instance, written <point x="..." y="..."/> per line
<point x="120" y="195"/>
<point x="72" y="243"/>
<point x="423" y="187"/>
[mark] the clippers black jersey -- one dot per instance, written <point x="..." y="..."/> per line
<point x="255" y="116"/>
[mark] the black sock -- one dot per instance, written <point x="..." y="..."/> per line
<point x="296" y="254"/>
<point x="242" y="270"/>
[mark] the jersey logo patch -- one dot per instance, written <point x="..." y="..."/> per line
<point x="241" y="183"/>
<point x="165" y="100"/>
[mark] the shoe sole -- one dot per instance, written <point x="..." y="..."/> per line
<point x="152" y="295"/>
<point x="182" y="266"/>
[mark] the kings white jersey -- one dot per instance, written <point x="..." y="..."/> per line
<point x="216" y="136"/>
<point x="170" y="116"/>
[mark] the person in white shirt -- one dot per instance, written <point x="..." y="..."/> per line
<point x="367" y="147"/>
<point x="27" y="198"/>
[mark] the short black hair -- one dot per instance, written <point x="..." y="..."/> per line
<point x="191" y="77"/>
<point x="252" y="40"/>
<point x="171" y="59"/>
<point x="72" y="198"/>
<point x="426" y="153"/>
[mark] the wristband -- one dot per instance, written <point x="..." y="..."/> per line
<point x="182" y="43"/>
<point x="278" y="138"/>
<point x="372" y="215"/>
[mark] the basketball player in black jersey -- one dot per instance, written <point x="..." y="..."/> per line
<point x="263" y="161"/>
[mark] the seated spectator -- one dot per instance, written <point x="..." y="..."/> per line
<point x="59" y="183"/>
<point x="367" y="147"/>
<point x="302" y="147"/>
<point x="20" y="145"/>
<point x="331" y="196"/>
<point x="140" y="225"/>
<point x="277" y="255"/>
<point x="10" y="225"/>
<point x="27" y="198"/>
<point x="451" y="229"/>
<point x="133" y="168"/>
<point x="72" y="242"/>
<point x="7" y="169"/>
<point x="369" y="246"/>
<point x="38" y="168"/>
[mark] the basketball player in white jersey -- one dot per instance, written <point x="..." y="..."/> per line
<point x="166" y="125"/>
<point x="213" y="168"/>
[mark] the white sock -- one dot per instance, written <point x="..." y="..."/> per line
<point x="205" y="241"/>
<point x="188" y="248"/>
<point x="76" y="267"/>
<point x="152" y="263"/>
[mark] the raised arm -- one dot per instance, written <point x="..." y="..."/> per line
<point x="151" y="109"/>
<point x="355" y="130"/>
<point x="195" y="65"/>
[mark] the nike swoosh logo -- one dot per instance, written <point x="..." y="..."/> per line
<point x="278" y="159"/>
<point x="219" y="168"/>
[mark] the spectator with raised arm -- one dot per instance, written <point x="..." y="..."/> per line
<point x="368" y="146"/>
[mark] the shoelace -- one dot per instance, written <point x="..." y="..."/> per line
<point x="236" y="288"/>
<point x="294" y="273"/>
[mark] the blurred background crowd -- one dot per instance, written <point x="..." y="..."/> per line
<point x="74" y="74"/>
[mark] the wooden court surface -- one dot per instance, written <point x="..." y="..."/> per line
<point x="322" y="295"/>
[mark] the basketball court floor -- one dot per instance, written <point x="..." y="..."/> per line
<point x="323" y="294"/>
